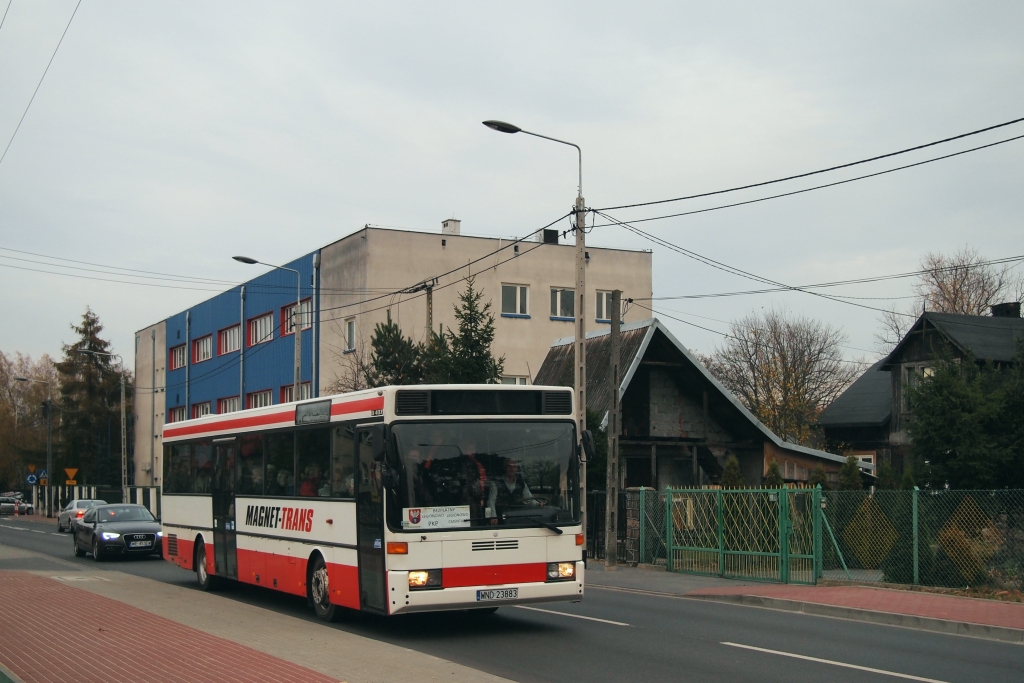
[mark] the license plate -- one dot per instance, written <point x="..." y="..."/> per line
<point x="497" y="594"/>
<point x="140" y="544"/>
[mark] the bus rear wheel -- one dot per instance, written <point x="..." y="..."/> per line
<point x="320" y="591"/>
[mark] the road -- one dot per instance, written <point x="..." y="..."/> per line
<point x="622" y="636"/>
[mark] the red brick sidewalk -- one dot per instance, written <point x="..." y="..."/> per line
<point x="51" y="633"/>
<point x="912" y="603"/>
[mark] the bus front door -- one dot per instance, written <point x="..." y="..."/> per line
<point x="370" y="527"/>
<point x="223" y="490"/>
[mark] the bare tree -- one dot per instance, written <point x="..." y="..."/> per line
<point x="962" y="282"/>
<point x="785" y="370"/>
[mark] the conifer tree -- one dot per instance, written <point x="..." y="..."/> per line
<point x="471" y="358"/>
<point x="773" y="479"/>
<point x="885" y="477"/>
<point x="907" y="482"/>
<point x="819" y="478"/>
<point x="849" y="475"/>
<point x="395" y="358"/>
<point x="732" y="477"/>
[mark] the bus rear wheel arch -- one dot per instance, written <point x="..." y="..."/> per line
<point x="207" y="582"/>
<point x="318" y="589"/>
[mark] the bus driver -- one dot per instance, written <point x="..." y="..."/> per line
<point x="508" y="490"/>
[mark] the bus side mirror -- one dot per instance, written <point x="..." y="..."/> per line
<point x="587" y="441"/>
<point x="379" y="442"/>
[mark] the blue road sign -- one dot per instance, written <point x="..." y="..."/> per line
<point x="42" y="474"/>
<point x="31" y="479"/>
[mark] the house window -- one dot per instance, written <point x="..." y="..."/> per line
<point x="563" y="304"/>
<point x="200" y="409"/>
<point x="259" y="399"/>
<point x="305" y="316"/>
<point x="515" y="301"/>
<point x="228" y="405"/>
<point x="176" y="414"/>
<point x="515" y="379"/>
<point x="350" y="334"/>
<point x="202" y="349"/>
<point x="261" y="329"/>
<point x="604" y="306"/>
<point x="913" y="374"/>
<point x="178" y="357"/>
<point x="288" y="391"/>
<point x="229" y="340"/>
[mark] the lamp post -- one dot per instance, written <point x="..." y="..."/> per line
<point x="49" y="438"/>
<point x="580" y="375"/>
<point x="124" y="428"/>
<point x="296" y="322"/>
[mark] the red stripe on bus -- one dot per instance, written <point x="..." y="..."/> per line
<point x="233" y="424"/>
<point x="453" y="577"/>
<point x="360" y="406"/>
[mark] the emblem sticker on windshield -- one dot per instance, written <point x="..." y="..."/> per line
<point x="444" y="517"/>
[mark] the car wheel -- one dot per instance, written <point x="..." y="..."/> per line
<point x="96" y="550"/>
<point x="206" y="581"/>
<point x="320" y="592"/>
<point x="78" y="551"/>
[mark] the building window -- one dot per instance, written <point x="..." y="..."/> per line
<point x="563" y="304"/>
<point x="261" y="329"/>
<point x="350" y="334"/>
<point x="912" y="378"/>
<point x="176" y="414"/>
<point x="259" y="399"/>
<point x="515" y="379"/>
<point x="228" y="405"/>
<point x="515" y="301"/>
<point x="305" y="316"/>
<point x="288" y="391"/>
<point x="202" y="349"/>
<point x="178" y="357"/>
<point x="229" y="340"/>
<point x="200" y="409"/>
<point x="604" y="307"/>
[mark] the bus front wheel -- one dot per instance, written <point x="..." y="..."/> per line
<point x="206" y="581"/>
<point x="320" y="591"/>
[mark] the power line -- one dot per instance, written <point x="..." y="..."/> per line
<point x="795" y="192"/>
<point x="31" y="99"/>
<point x="5" y="13"/>
<point x="824" y="170"/>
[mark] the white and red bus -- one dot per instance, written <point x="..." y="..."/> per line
<point x="390" y="500"/>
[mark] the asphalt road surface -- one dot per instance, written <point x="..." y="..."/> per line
<point x="623" y="636"/>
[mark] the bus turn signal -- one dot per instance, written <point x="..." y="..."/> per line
<point x="401" y="548"/>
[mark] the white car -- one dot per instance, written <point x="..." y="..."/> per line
<point x="73" y="513"/>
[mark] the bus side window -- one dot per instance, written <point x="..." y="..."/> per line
<point x="343" y="466"/>
<point x="250" y="465"/>
<point x="202" y="466"/>
<point x="313" y="462"/>
<point x="280" y="454"/>
<point x="177" y="465"/>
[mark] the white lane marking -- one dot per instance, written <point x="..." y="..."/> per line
<point x="53" y="533"/>
<point x="833" y="663"/>
<point x="36" y="531"/>
<point x="16" y="528"/>
<point x="574" y="616"/>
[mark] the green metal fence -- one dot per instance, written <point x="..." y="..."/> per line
<point x="935" y="538"/>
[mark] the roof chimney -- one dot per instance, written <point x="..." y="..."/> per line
<point x="1008" y="310"/>
<point x="450" y="226"/>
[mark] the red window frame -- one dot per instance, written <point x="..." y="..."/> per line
<point x="170" y="357"/>
<point x="249" y="341"/>
<point x="220" y="404"/>
<point x="284" y="317"/>
<point x="248" y="397"/>
<point x="283" y="395"/>
<point x="172" y="412"/>
<point x="195" y="409"/>
<point x="195" y="345"/>
<point x="220" y="348"/>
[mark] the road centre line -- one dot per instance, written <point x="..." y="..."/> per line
<point x="574" y="616"/>
<point x="53" y="533"/>
<point x="16" y="528"/>
<point x="834" y="663"/>
<point x="36" y="531"/>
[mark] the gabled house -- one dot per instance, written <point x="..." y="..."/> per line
<point x="679" y="423"/>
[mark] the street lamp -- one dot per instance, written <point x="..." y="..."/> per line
<point x="49" y="438"/>
<point x="296" y="321"/>
<point x="124" y="427"/>
<point x="580" y="375"/>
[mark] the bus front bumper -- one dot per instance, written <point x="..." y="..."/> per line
<point x="403" y="601"/>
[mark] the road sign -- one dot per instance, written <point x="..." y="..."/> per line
<point x="44" y="482"/>
<point x="30" y="479"/>
<point x="71" y="482"/>
<point x="71" y="472"/>
<point x="43" y="474"/>
<point x="31" y="467"/>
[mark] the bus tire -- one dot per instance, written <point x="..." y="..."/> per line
<point x="207" y="582"/>
<point x="320" y="591"/>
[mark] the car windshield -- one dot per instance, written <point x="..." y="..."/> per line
<point x="483" y="474"/>
<point x="127" y="513"/>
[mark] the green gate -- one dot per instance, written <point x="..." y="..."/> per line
<point x="755" y="534"/>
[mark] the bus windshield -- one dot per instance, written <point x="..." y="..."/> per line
<point x="485" y="474"/>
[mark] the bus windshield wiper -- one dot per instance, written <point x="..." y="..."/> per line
<point x="539" y="522"/>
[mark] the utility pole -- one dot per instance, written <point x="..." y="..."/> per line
<point x="611" y="504"/>
<point x="49" y="452"/>
<point x="430" y="310"/>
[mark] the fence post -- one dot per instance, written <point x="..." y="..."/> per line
<point x="643" y="526"/>
<point x="783" y="536"/>
<point x="816" y="503"/>
<point x="721" y="538"/>
<point x="917" y="578"/>
<point x="669" y="528"/>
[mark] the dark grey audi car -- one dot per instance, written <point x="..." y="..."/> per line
<point x="117" y="530"/>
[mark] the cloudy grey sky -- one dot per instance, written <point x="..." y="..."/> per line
<point x="168" y="136"/>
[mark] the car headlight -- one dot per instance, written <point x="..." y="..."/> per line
<point x="159" y="534"/>
<point x="561" y="571"/>
<point x="109" y="535"/>
<point x="429" y="578"/>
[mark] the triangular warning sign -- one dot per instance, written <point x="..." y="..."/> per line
<point x="31" y="468"/>
<point x="71" y="472"/>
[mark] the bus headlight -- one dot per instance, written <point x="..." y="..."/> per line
<point x="561" y="571"/>
<point x="429" y="578"/>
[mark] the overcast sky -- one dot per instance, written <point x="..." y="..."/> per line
<point x="167" y="137"/>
